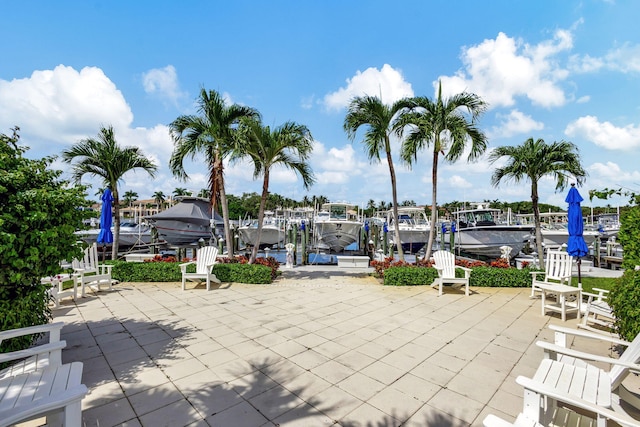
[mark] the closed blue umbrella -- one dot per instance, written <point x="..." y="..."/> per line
<point x="106" y="236"/>
<point x="576" y="246"/>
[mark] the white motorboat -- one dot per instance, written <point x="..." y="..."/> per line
<point x="608" y="225"/>
<point x="188" y="222"/>
<point x="413" y="225"/>
<point x="273" y="231"/>
<point x="554" y="230"/>
<point x="131" y="234"/>
<point x="482" y="232"/>
<point x="337" y="226"/>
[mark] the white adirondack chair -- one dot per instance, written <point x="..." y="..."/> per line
<point x="532" y="415"/>
<point x="557" y="271"/>
<point x="205" y="259"/>
<point x="89" y="273"/>
<point x="56" y="291"/>
<point x="38" y="384"/>
<point x="445" y="264"/>
<point x="37" y="357"/>
<point x="598" y="311"/>
<point x="605" y="387"/>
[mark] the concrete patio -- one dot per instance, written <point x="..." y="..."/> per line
<point x="321" y="346"/>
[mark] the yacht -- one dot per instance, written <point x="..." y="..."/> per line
<point x="131" y="234"/>
<point x="554" y="230"/>
<point x="413" y="225"/>
<point x="337" y="226"/>
<point x="188" y="222"/>
<point x="482" y="232"/>
<point x="273" y="231"/>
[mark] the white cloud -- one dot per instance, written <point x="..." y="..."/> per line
<point x="514" y="123"/>
<point x="612" y="172"/>
<point x="604" y="134"/>
<point x="456" y="181"/>
<point x="163" y="82"/>
<point x="62" y="105"/>
<point x="503" y="68"/>
<point x="624" y="59"/>
<point x="583" y="99"/>
<point x="386" y="82"/>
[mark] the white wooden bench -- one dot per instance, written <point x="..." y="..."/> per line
<point x="138" y="257"/>
<point x="351" y="261"/>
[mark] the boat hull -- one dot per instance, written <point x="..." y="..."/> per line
<point x="412" y="240"/>
<point x="337" y="235"/>
<point x="270" y="235"/>
<point x="552" y="237"/>
<point x="127" y="237"/>
<point x="182" y="233"/>
<point x="486" y="241"/>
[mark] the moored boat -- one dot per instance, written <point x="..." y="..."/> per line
<point x="337" y="226"/>
<point x="413" y="226"/>
<point x="273" y="231"/>
<point x="187" y="222"/>
<point x="131" y="234"/>
<point x="482" y="232"/>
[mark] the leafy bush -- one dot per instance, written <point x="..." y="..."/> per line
<point x="481" y="276"/>
<point x="629" y="237"/>
<point x="243" y="273"/>
<point x="624" y="299"/>
<point x="500" y="277"/>
<point x="38" y="216"/>
<point x="409" y="276"/>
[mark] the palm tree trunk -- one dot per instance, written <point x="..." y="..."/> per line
<point x="225" y="216"/>
<point x="536" y="220"/>
<point x="394" y="194"/>
<point x="434" y="204"/>
<point x="116" y="224"/>
<point x="263" y="203"/>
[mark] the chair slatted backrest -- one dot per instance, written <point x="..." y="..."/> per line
<point x="559" y="264"/>
<point x="89" y="261"/>
<point x="206" y="256"/>
<point x="446" y="261"/>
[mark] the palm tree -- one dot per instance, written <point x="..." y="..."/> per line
<point x="443" y="125"/>
<point x="204" y="193"/>
<point x="379" y="118"/>
<point x="533" y="160"/>
<point x="210" y="133"/>
<point x="179" y="191"/>
<point x="104" y="158"/>
<point x="159" y="198"/>
<point x="289" y="145"/>
<point x="129" y="197"/>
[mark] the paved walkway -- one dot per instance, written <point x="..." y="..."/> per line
<point x="320" y="347"/>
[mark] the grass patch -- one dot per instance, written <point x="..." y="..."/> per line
<point x="588" y="283"/>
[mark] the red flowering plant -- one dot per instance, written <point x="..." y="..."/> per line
<point x="160" y="258"/>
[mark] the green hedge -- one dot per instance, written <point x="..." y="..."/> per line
<point x="409" y="276"/>
<point x="480" y="276"/>
<point x="624" y="299"/>
<point x="170" y="272"/>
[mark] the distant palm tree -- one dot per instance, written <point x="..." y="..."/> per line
<point x="130" y="197"/>
<point x="210" y="133"/>
<point x="159" y="198"/>
<point x="533" y="160"/>
<point x="104" y="158"/>
<point x="289" y="145"/>
<point x="443" y="125"/>
<point x="178" y="191"/>
<point x="204" y="193"/>
<point x="379" y="118"/>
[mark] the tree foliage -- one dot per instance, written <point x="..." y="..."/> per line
<point x="39" y="214"/>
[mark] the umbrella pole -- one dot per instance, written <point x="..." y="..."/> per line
<point x="579" y="275"/>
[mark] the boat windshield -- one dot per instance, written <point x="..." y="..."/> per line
<point x="339" y="212"/>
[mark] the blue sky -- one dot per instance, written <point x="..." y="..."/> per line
<point x="557" y="70"/>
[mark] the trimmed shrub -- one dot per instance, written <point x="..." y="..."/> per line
<point x="409" y="276"/>
<point x="243" y="273"/>
<point x="624" y="299"/>
<point x="500" y="277"/>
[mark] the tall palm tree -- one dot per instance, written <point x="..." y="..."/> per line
<point x="103" y="157"/>
<point x="533" y="160"/>
<point x="179" y="191"/>
<point x="443" y="125"/>
<point x="210" y="133"/>
<point x="288" y="145"/>
<point x="379" y="119"/>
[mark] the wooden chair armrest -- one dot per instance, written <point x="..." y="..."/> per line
<point x="588" y="334"/>
<point x="553" y="348"/>
<point x="183" y="266"/>
<point x="52" y="328"/>
<point x="556" y="394"/>
<point x="33" y="351"/>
